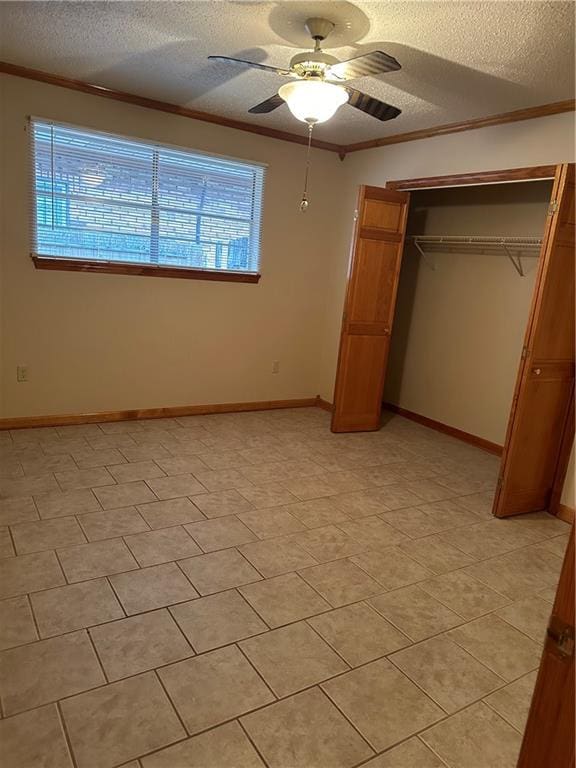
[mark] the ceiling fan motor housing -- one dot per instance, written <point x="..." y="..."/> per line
<point x="312" y="64"/>
<point x="319" y="29"/>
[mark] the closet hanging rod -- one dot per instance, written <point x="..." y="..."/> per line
<point x="515" y="243"/>
<point x="513" y="247"/>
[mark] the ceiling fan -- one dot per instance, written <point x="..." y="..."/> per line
<point x="317" y="93"/>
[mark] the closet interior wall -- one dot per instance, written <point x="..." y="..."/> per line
<point x="461" y="316"/>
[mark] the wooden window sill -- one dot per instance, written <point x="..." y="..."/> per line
<point x="144" y="270"/>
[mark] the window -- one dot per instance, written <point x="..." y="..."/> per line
<point x="110" y="200"/>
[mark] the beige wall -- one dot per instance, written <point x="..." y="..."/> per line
<point x="461" y="318"/>
<point x="105" y="342"/>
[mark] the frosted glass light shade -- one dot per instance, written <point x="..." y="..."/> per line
<point x="313" y="101"/>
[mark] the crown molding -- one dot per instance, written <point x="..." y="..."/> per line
<point x="161" y="106"/>
<point x="467" y="125"/>
<point x="341" y="149"/>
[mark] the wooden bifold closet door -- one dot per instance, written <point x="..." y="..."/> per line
<point x="373" y="277"/>
<point x="549" y="735"/>
<point x="540" y="424"/>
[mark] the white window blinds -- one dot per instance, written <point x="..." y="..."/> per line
<point x="106" y="198"/>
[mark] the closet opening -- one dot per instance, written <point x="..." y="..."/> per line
<point x="459" y="313"/>
<point x="466" y="284"/>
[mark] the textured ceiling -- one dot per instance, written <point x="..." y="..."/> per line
<point x="460" y="60"/>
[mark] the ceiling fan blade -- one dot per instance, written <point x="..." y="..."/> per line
<point x="373" y="107"/>
<point x="252" y="64"/>
<point x="268" y="105"/>
<point x="374" y="63"/>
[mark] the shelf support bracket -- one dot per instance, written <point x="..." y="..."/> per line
<point x="516" y="262"/>
<point x="424" y="255"/>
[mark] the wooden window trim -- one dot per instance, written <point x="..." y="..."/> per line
<point x="142" y="270"/>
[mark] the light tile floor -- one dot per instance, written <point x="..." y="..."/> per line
<point x="250" y="590"/>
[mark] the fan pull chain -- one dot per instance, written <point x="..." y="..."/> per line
<point x="304" y="202"/>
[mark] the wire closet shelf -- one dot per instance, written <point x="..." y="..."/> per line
<point x="513" y="247"/>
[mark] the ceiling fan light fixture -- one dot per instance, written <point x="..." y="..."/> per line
<point x="313" y="101"/>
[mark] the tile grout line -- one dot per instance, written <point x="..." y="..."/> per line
<point x="213" y="727"/>
<point x="35" y="621"/>
<point x="499" y="714"/>
<point x="12" y="541"/>
<point x="432" y="749"/>
<point x="67" y="738"/>
<point x="167" y="694"/>
<point x="344" y="715"/>
<point x="256" y="670"/>
<point x="251" y="740"/>
<point x="179" y="628"/>
<point x="474" y="656"/>
<point x="437" y="703"/>
<point x="62" y="571"/>
<point x="99" y="660"/>
<point x="394" y="746"/>
<point x="323" y="639"/>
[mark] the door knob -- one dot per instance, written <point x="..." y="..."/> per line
<point x="537" y="371"/>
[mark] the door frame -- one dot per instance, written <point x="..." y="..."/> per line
<point x="482" y="178"/>
<point x="548" y="737"/>
<point x="479" y="178"/>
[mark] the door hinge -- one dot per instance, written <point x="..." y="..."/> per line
<point x="553" y="207"/>
<point x="562" y="636"/>
<point x="525" y="351"/>
<point x="356" y="215"/>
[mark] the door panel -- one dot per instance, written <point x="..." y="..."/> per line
<point x="382" y="217"/>
<point x="362" y="394"/>
<point x="554" y="333"/>
<point x="545" y="383"/>
<point x="549" y="735"/>
<point x="373" y="284"/>
<point x="369" y="308"/>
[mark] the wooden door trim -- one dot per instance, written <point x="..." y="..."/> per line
<point x="566" y="513"/>
<point x="530" y="173"/>
<point x="549" y="734"/>
<point x="555" y="507"/>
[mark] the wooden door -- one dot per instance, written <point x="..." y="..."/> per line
<point x="549" y="735"/>
<point x="539" y="418"/>
<point x="373" y="276"/>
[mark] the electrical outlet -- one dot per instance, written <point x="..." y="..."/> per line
<point x="21" y="373"/>
<point x="276" y="366"/>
